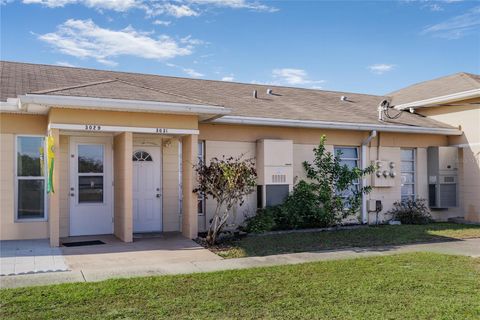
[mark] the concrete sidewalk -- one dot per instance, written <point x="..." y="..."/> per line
<point x="470" y="247"/>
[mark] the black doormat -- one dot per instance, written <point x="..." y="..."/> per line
<point x="82" y="243"/>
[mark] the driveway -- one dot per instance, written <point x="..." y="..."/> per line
<point x="29" y="256"/>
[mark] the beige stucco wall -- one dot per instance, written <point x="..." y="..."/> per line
<point x="9" y="229"/>
<point x="123" y="170"/>
<point x="217" y="132"/>
<point x="23" y="123"/>
<point x="189" y="199"/>
<point x="171" y="168"/>
<point x="117" y="118"/>
<point x="466" y="115"/>
<point x="64" y="180"/>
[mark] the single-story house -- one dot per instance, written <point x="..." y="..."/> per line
<point x="123" y="146"/>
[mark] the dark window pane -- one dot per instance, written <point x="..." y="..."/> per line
<point x="30" y="155"/>
<point x="90" y="158"/>
<point x="350" y="153"/>
<point x="31" y="197"/>
<point x="142" y="156"/>
<point x="350" y="163"/>
<point x="90" y="189"/>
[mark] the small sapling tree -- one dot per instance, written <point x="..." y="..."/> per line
<point x="228" y="181"/>
<point x="334" y="184"/>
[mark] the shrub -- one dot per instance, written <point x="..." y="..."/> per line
<point x="263" y="221"/>
<point x="411" y="211"/>
<point x="302" y="209"/>
<point x="324" y="200"/>
<point x="228" y="181"/>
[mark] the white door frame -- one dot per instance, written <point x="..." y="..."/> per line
<point x="159" y="161"/>
<point x="82" y="216"/>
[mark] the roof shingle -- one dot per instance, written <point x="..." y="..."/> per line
<point x="458" y="82"/>
<point x="285" y="102"/>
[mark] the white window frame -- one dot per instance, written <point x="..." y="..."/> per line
<point x="201" y="157"/>
<point x="414" y="174"/>
<point x="44" y="178"/>
<point x="357" y="159"/>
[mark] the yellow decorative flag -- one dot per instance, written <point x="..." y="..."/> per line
<point x="51" y="162"/>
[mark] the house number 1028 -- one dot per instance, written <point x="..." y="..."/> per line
<point x="92" y="127"/>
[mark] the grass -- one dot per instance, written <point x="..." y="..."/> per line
<point x="360" y="237"/>
<point x="404" y="286"/>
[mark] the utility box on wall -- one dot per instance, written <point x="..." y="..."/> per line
<point x="385" y="173"/>
<point x="442" y="177"/>
<point x="275" y="171"/>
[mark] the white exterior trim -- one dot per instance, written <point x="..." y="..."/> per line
<point x="41" y="104"/>
<point x="102" y="128"/>
<point x="363" y="164"/>
<point x="334" y="125"/>
<point x="44" y="178"/>
<point x="466" y="145"/>
<point x="441" y="99"/>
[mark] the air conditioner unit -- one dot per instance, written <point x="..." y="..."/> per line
<point x="442" y="171"/>
<point x="274" y="170"/>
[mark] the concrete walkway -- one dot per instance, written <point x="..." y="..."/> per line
<point x="469" y="247"/>
<point x="30" y="256"/>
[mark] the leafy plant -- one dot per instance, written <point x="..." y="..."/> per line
<point x="228" y="181"/>
<point x="411" y="211"/>
<point x="328" y="196"/>
<point x="334" y="184"/>
<point x="263" y="220"/>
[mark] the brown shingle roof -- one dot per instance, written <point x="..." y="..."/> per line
<point x="119" y="89"/>
<point x="454" y="83"/>
<point x="285" y="103"/>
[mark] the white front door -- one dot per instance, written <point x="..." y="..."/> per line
<point x="147" y="189"/>
<point x="91" y="186"/>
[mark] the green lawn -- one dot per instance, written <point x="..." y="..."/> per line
<point x="404" y="286"/>
<point x="361" y="237"/>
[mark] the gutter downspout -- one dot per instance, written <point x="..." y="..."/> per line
<point x="365" y="143"/>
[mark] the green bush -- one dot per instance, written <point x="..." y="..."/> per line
<point x="262" y="221"/>
<point x="328" y="196"/>
<point x="411" y="211"/>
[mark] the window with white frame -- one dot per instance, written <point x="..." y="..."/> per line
<point x="30" y="189"/>
<point x="407" y="171"/>
<point x="349" y="157"/>
<point x="201" y="159"/>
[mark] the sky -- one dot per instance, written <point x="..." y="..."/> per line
<point x="353" y="46"/>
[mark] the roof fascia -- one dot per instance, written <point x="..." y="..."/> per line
<point x="334" y="125"/>
<point x="441" y="99"/>
<point x="41" y="102"/>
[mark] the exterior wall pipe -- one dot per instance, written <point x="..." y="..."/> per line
<point x="363" y="164"/>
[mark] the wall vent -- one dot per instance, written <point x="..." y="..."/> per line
<point x="279" y="178"/>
